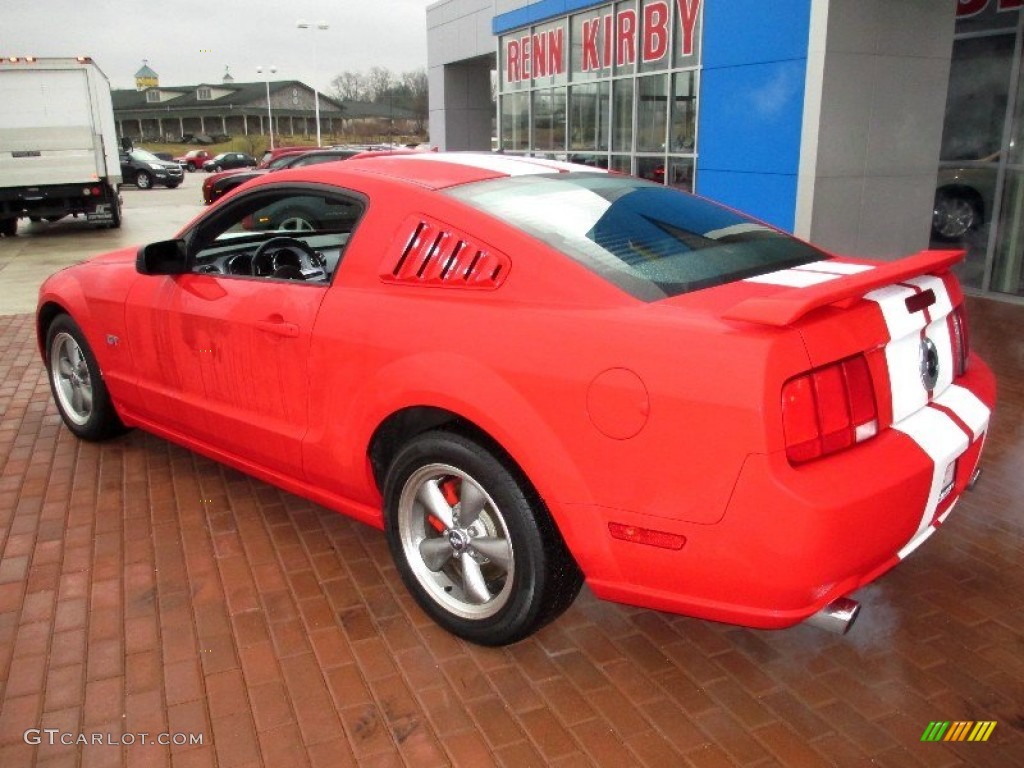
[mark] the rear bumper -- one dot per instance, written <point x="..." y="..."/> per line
<point x="55" y="200"/>
<point x="794" y="539"/>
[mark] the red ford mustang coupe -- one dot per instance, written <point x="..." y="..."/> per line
<point x="531" y="374"/>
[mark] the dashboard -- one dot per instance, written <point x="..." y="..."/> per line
<point x="312" y="258"/>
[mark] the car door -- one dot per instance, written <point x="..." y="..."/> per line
<point x="221" y="352"/>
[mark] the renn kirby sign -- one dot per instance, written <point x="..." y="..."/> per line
<point x="605" y="38"/>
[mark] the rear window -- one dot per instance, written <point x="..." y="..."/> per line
<point x="651" y="241"/>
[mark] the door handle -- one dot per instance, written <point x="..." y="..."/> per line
<point x="279" y="327"/>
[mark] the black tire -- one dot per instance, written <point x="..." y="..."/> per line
<point x="115" y="213"/>
<point x="190" y="167"/>
<point x="144" y="180"/>
<point x="77" y="383"/>
<point x="8" y="227"/>
<point x="521" y="575"/>
<point x="218" y="168"/>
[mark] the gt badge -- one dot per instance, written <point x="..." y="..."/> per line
<point x="929" y="363"/>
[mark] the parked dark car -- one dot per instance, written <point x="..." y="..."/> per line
<point x="226" y="160"/>
<point x="218" y="185"/>
<point x="144" y="170"/>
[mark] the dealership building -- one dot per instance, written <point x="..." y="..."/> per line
<point x="871" y="127"/>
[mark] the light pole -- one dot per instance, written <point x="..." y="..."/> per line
<point x="270" y="117"/>
<point x="322" y="25"/>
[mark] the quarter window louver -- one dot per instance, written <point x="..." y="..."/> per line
<point x="434" y="254"/>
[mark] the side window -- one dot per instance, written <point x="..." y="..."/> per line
<point x="291" y="234"/>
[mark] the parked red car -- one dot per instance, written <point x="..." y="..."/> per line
<point x="530" y="373"/>
<point x="193" y="160"/>
<point x="216" y="185"/>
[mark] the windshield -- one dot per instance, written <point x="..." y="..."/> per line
<point x="651" y="241"/>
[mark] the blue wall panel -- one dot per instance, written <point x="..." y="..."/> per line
<point x="765" y="196"/>
<point x="532" y="13"/>
<point x="751" y="105"/>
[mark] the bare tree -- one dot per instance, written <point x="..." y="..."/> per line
<point x="405" y="93"/>
<point x="414" y="94"/>
<point x="351" y="86"/>
<point x="380" y="83"/>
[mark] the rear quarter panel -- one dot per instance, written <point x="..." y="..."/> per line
<point x="520" y="362"/>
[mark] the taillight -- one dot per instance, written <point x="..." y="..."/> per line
<point x="957" y="322"/>
<point x="829" y="409"/>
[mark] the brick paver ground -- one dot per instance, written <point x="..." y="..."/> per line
<point x="146" y="589"/>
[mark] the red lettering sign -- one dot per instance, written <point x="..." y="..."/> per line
<point x="512" y="65"/>
<point x="1010" y="5"/>
<point x="556" y="62"/>
<point x="618" y="38"/>
<point x="688" y="11"/>
<point x="608" y="21"/>
<point x="970" y="7"/>
<point x="539" y="48"/>
<point x="655" y="31"/>
<point x="625" y="40"/>
<point x="590" y="29"/>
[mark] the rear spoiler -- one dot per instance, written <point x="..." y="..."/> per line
<point x="789" y="305"/>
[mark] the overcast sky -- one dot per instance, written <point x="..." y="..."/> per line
<point x="190" y="41"/>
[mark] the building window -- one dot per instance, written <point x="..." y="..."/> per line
<point x="651" y="113"/>
<point x="204" y="94"/>
<point x="979" y="188"/>
<point x="588" y="117"/>
<point x="631" y="103"/>
<point x="515" y="121"/>
<point x="622" y="114"/>
<point x="152" y="96"/>
<point x="549" y="120"/>
<point x="682" y="136"/>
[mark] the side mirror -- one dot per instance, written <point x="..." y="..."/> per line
<point x="167" y="257"/>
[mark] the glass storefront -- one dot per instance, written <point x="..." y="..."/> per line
<point x="613" y="86"/>
<point x="979" y="199"/>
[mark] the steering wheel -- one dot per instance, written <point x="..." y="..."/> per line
<point x="285" y="254"/>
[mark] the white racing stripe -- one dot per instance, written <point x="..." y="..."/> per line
<point x="892" y="300"/>
<point x="902" y="353"/>
<point x="966" y="405"/>
<point x="509" y="165"/>
<point x="835" y="267"/>
<point x="919" y="538"/>
<point x="793" y="278"/>
<point x="806" y="275"/>
<point x="943" y="441"/>
<point x="937" y="434"/>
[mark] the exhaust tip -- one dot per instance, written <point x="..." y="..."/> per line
<point x="836" y="617"/>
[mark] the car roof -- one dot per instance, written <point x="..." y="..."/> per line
<point x="437" y="170"/>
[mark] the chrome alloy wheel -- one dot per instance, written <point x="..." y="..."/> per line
<point x="295" y="224"/>
<point x="456" y="541"/>
<point x="71" y="379"/>
<point x="953" y="217"/>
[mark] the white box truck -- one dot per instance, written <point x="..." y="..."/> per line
<point x="58" y="142"/>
